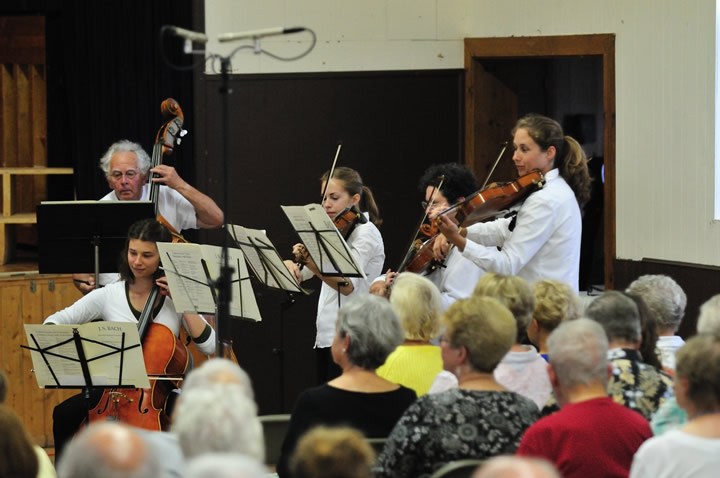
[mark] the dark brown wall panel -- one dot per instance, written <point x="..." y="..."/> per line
<point x="282" y="136"/>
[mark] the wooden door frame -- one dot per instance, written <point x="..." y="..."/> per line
<point x="547" y="47"/>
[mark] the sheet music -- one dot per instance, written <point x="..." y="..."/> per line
<point x="190" y="267"/>
<point x="103" y="371"/>
<point x="264" y="260"/>
<point x="323" y="241"/>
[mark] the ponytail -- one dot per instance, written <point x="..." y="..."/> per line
<point x="354" y="185"/>
<point x="570" y="159"/>
<point x="574" y="169"/>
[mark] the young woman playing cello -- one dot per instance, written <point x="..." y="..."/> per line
<point x="123" y="302"/>
<point x="345" y="189"/>
<point x="543" y="240"/>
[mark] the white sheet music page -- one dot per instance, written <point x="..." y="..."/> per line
<point x="264" y="259"/>
<point x="323" y="241"/>
<point x="107" y="337"/>
<point x="190" y="267"/>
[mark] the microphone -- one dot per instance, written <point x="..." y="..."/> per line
<point x="188" y="34"/>
<point x="259" y="33"/>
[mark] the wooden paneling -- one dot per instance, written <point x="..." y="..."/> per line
<point x="283" y="135"/>
<point x="28" y="301"/>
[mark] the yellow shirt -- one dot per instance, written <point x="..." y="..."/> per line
<point x="414" y="366"/>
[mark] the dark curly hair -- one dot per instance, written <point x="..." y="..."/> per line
<point x="459" y="181"/>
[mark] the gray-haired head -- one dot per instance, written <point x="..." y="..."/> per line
<point x="218" y="418"/>
<point x="516" y="467"/>
<point x="374" y="330"/>
<point x="618" y="315"/>
<point x="664" y="297"/>
<point x="709" y="318"/>
<point x="110" y="450"/>
<point x="578" y="353"/>
<point x="224" y="465"/>
<point x="143" y="160"/>
<point x="218" y="371"/>
<point x="698" y="369"/>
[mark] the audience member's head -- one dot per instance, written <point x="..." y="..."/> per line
<point x="555" y="302"/>
<point x="665" y="299"/>
<point x="578" y="358"/>
<point x="224" y="465"/>
<point x="325" y="452"/>
<point x="218" y="418"/>
<point x="698" y="375"/>
<point x="709" y="318"/>
<point x="108" y="450"/>
<point x="516" y="467"/>
<point x="218" y="371"/>
<point x="17" y="454"/>
<point x="370" y="328"/>
<point x="418" y="304"/>
<point x="648" y="333"/>
<point x="618" y="315"/>
<point x="3" y="386"/>
<point x="512" y="292"/>
<point x="484" y="327"/>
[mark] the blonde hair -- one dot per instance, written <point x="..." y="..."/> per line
<point x="484" y="326"/>
<point x="418" y="304"/>
<point x="555" y="302"/>
<point x="513" y="292"/>
<point x="339" y="452"/>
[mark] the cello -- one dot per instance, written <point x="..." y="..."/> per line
<point x="166" y="361"/>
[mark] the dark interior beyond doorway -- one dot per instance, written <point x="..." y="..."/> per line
<point x="568" y="89"/>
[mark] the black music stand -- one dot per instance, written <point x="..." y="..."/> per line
<point x="68" y="356"/>
<point x="85" y="235"/>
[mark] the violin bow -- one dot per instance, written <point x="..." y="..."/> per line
<point x="413" y="238"/>
<point x="332" y="171"/>
<point x="492" y="170"/>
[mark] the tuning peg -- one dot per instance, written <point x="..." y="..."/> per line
<point x="183" y="132"/>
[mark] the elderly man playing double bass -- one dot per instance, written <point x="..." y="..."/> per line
<point x="127" y="167"/>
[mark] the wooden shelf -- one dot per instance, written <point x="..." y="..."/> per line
<point x="19" y="218"/>
<point x="9" y="216"/>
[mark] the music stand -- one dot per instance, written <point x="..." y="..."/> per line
<point x="88" y="356"/>
<point x="85" y="235"/>
<point x="264" y="259"/>
<point x="323" y="241"/>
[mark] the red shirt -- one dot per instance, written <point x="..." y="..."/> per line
<point x="593" y="438"/>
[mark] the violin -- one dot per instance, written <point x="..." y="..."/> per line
<point x="494" y="199"/>
<point x="347" y="219"/>
<point x="480" y="206"/>
<point x="169" y="134"/>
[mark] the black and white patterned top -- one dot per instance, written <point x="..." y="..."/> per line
<point x="454" y="425"/>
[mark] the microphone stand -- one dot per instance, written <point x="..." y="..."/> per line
<point x="223" y="282"/>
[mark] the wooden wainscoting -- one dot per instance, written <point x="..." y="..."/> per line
<point x="28" y="299"/>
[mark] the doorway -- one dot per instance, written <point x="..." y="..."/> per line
<point x="569" y="78"/>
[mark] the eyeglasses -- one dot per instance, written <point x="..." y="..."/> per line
<point x="433" y="204"/>
<point x="130" y="174"/>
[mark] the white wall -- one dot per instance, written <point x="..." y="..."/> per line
<point x="665" y="66"/>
